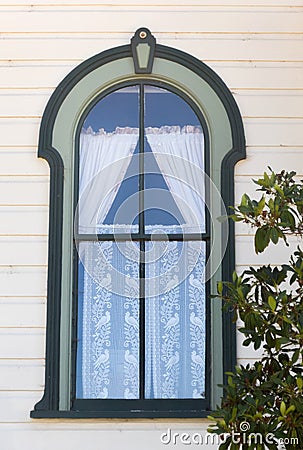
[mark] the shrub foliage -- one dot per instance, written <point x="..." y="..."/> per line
<point x="267" y="396"/>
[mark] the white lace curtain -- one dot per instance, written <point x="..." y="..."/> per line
<point x="108" y="349"/>
<point x="179" y="153"/>
<point x="104" y="159"/>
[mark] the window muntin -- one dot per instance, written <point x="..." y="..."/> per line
<point x="152" y="212"/>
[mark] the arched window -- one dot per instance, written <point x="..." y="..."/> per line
<point x="141" y="142"/>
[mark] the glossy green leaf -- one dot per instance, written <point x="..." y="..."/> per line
<point x="283" y="408"/>
<point x="272" y="303"/>
<point x="300" y="383"/>
<point x="262" y="238"/>
<point x="274" y="235"/>
<point x="220" y="287"/>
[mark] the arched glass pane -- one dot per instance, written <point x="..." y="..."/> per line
<point x="108" y="173"/>
<point x="174" y="163"/>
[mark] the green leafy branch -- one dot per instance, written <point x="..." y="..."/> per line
<point x="268" y="302"/>
<point x="278" y="213"/>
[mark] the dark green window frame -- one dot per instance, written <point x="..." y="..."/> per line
<point x="143" y="407"/>
<point x="56" y="401"/>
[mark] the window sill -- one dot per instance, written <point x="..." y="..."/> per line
<point x="131" y="414"/>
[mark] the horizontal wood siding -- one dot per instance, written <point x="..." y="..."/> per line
<point x="186" y="18"/>
<point x="109" y="435"/>
<point x="256" y="46"/>
<point x="28" y="220"/>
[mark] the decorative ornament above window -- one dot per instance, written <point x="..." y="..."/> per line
<point x="143" y="46"/>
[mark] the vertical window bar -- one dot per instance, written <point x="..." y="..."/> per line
<point x="142" y="245"/>
<point x="141" y="160"/>
<point x="142" y="322"/>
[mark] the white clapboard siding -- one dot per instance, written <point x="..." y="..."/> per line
<point x="23" y="281"/>
<point x="212" y="46"/>
<point x="34" y="74"/>
<point x="110" y="435"/>
<point x="109" y="18"/>
<point x="24" y="102"/>
<point x="260" y="74"/>
<point x="23" y="250"/>
<point x="43" y="46"/>
<point x="16" y="405"/>
<point x="270" y="103"/>
<point x="22" y="343"/>
<point x="237" y="75"/>
<point x="123" y="425"/>
<point x="273" y="132"/>
<point x="252" y="103"/>
<point x="16" y="190"/>
<point x="172" y="3"/>
<point x="278" y="158"/>
<point x="242" y="229"/>
<point x="241" y="3"/>
<point x="20" y="161"/>
<point x="22" y="312"/>
<point x="245" y="184"/>
<point x="274" y="254"/>
<point x="236" y="47"/>
<point x="19" y="131"/>
<point x="247" y="352"/>
<point x="23" y="220"/>
<point x="21" y="375"/>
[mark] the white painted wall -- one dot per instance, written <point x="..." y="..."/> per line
<point x="256" y="46"/>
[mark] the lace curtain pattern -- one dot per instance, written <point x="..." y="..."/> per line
<point x="179" y="153"/>
<point x="110" y="322"/>
<point x="175" y="320"/>
<point x="108" y="326"/>
<point x="104" y="159"/>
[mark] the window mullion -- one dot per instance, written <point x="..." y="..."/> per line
<point x="142" y="248"/>
<point x="142" y="322"/>
<point x="141" y="161"/>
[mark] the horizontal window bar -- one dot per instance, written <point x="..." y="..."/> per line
<point x="142" y="237"/>
<point x="134" y="405"/>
